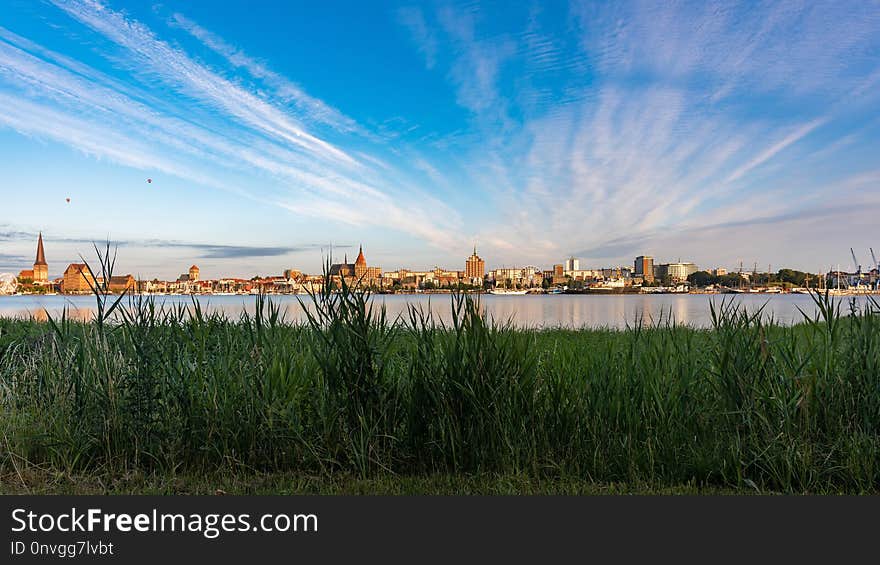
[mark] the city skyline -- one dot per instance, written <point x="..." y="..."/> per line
<point x="475" y="272"/>
<point x="247" y="141"/>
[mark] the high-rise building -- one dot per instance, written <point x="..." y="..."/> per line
<point x="572" y="264"/>
<point x="41" y="268"/>
<point x="644" y="267"/>
<point x="474" y="268"/>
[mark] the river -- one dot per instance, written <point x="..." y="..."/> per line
<point x="573" y="311"/>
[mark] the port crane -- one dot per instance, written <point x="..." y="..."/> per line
<point x="858" y="274"/>
<point x="876" y="270"/>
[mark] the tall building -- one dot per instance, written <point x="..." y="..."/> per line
<point x="474" y="267"/>
<point x="360" y="264"/>
<point x="78" y="278"/>
<point x="644" y="267"/>
<point x="193" y="273"/>
<point x="41" y="268"/>
<point x="572" y="264"/>
<point x="357" y="272"/>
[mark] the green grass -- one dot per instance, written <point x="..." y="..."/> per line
<point x="41" y="482"/>
<point x="352" y="401"/>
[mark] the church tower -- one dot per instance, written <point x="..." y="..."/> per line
<point x="41" y="268"/>
<point x="360" y="264"/>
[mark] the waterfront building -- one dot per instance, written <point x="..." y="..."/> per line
<point x="193" y="273"/>
<point x="678" y="272"/>
<point x="360" y="264"/>
<point x="78" y="279"/>
<point x="584" y="274"/>
<point x="122" y="283"/>
<point x="344" y="269"/>
<point x="610" y="273"/>
<point x="572" y="264"/>
<point x="359" y="271"/>
<point x="504" y="274"/>
<point x="474" y="268"/>
<point x="644" y="267"/>
<point x="555" y="276"/>
<point x="523" y="277"/>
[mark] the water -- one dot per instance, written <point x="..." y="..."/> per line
<point x="525" y="311"/>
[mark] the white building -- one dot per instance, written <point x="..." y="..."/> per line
<point x="680" y="271"/>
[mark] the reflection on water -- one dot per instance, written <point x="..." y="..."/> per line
<point x="614" y="311"/>
<point x="42" y="314"/>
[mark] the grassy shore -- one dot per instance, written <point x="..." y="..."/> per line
<point x="150" y="399"/>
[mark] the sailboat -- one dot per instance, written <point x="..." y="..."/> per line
<point x="505" y="291"/>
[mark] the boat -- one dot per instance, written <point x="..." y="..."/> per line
<point x="554" y="291"/>
<point x="507" y="292"/>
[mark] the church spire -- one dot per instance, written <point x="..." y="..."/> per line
<point x="41" y="255"/>
<point x="361" y="260"/>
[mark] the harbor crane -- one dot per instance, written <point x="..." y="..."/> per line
<point x="856" y="263"/>
<point x="876" y="270"/>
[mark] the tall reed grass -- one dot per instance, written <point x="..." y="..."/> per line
<point x="746" y="403"/>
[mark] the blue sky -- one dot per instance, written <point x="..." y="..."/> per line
<point x="714" y="132"/>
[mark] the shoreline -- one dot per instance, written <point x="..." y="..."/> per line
<point x="585" y="292"/>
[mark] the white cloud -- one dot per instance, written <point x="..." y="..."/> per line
<point x="53" y="97"/>
<point x="413" y="19"/>
<point x="148" y="54"/>
<point x="771" y="151"/>
<point x="287" y="91"/>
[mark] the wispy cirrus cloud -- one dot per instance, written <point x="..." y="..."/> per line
<point x="692" y="115"/>
<point x="146" y="53"/>
<point x="771" y="151"/>
<point x="287" y="91"/>
<point x="224" y="127"/>
<point x="413" y="18"/>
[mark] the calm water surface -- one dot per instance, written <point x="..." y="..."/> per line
<point x="525" y="311"/>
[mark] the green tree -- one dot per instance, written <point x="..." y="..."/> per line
<point x="702" y="278"/>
